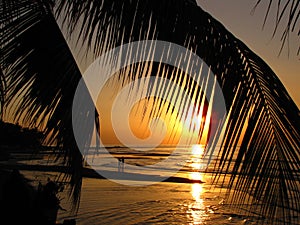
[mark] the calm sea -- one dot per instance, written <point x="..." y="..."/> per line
<point x="120" y="201"/>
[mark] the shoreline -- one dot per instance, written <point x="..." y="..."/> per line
<point x="91" y="173"/>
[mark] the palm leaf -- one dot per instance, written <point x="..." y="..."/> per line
<point x="2" y="93"/>
<point x="265" y="166"/>
<point x="267" y="161"/>
<point x="288" y="11"/>
<point x="42" y="77"/>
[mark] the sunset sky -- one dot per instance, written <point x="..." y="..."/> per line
<point x="236" y="16"/>
<point x="139" y="125"/>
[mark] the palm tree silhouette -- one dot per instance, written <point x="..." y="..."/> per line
<point x="287" y="12"/>
<point x="39" y="75"/>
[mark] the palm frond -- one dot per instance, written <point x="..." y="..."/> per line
<point x="2" y="93"/>
<point x="287" y="12"/>
<point x="265" y="167"/>
<point x="42" y="77"/>
<point x="266" y="164"/>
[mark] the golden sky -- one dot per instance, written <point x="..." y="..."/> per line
<point x="236" y="16"/>
<point x="168" y="130"/>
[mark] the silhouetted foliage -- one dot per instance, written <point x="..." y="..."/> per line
<point x="13" y="135"/>
<point x="37" y="62"/>
<point x="287" y="18"/>
<point x="21" y="203"/>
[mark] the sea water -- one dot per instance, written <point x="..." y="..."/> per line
<point x="108" y="201"/>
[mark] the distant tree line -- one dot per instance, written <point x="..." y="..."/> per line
<point x="14" y="135"/>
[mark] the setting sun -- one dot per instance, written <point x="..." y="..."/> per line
<point x="151" y="119"/>
<point x="197" y="150"/>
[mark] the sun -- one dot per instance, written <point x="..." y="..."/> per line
<point x="197" y="150"/>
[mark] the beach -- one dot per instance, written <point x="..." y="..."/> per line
<point x="105" y="202"/>
<point x="135" y="197"/>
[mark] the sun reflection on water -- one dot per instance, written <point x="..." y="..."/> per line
<point x="196" y="162"/>
<point x="196" y="210"/>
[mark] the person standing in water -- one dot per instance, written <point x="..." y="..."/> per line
<point x="121" y="164"/>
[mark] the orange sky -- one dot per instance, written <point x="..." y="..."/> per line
<point x="236" y="16"/>
<point x="141" y="114"/>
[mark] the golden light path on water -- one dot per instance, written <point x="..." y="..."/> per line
<point x="196" y="210"/>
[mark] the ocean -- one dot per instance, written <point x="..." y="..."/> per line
<point x="124" y="198"/>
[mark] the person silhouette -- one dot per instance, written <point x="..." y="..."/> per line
<point x="122" y="164"/>
<point x="119" y="164"/>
